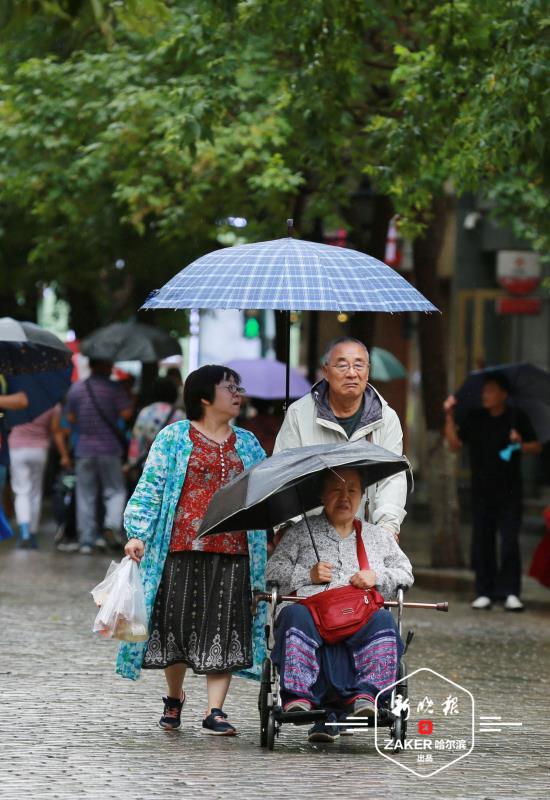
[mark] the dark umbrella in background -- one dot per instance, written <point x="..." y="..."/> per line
<point x="529" y="390"/>
<point x="289" y="275"/>
<point x="130" y="341"/>
<point x="43" y="390"/>
<point x="289" y="483"/>
<point x="26" y="347"/>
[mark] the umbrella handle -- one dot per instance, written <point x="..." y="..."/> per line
<point x="306" y="520"/>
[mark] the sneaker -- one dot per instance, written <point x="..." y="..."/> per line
<point x="362" y="707"/>
<point x="68" y="547"/>
<point x="171" y="716"/>
<point x="343" y="727"/>
<point x="100" y="544"/>
<point x="513" y="603"/>
<point x="482" y="602"/>
<point x="215" y="724"/>
<point x="298" y="705"/>
<point x="85" y="550"/>
<point x="321" y="732"/>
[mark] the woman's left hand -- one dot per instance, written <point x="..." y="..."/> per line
<point x="363" y="579"/>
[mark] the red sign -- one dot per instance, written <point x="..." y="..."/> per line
<point x="518" y="305"/>
<point x="518" y="271"/>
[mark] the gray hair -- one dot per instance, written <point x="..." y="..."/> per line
<point x="342" y="340"/>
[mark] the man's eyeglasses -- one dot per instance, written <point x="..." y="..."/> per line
<point x="344" y="366"/>
<point x="232" y="388"/>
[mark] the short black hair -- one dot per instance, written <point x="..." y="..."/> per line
<point x="164" y="391"/>
<point x="342" y="340"/>
<point x="499" y="378"/>
<point x="201" y="385"/>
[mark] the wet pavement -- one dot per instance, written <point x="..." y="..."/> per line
<point x="70" y="728"/>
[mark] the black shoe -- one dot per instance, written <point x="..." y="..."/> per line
<point x="215" y="724"/>
<point x="112" y="539"/>
<point x="321" y="732"/>
<point x="171" y="718"/>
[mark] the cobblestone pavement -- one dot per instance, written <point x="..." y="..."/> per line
<point x="70" y="728"/>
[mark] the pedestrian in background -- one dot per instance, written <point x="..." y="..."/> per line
<point x="15" y="401"/>
<point x="150" y="421"/>
<point x="197" y="592"/>
<point x="29" y="446"/>
<point x="95" y="406"/>
<point x="496" y="488"/>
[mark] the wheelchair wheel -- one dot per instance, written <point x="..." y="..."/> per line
<point x="265" y="689"/>
<point x="270" y="732"/>
<point x="399" y="726"/>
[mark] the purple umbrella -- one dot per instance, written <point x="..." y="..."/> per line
<point x="265" y="378"/>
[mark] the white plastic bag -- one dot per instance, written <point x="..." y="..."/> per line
<point x="122" y="614"/>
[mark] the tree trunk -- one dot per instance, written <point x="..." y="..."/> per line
<point x="446" y="549"/>
<point x="372" y="240"/>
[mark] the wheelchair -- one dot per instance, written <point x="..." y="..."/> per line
<point x="272" y="716"/>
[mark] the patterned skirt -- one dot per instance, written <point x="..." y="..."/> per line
<point x="202" y="614"/>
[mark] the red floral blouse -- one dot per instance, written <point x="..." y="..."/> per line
<point x="210" y="466"/>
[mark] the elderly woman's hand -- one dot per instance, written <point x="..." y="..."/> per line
<point x="363" y="579"/>
<point x="321" y="572"/>
<point x="135" y="549"/>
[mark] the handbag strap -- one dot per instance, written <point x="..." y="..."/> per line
<point x="118" y="433"/>
<point x="362" y="557"/>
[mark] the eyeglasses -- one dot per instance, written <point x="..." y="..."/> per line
<point x="344" y="366"/>
<point x="232" y="388"/>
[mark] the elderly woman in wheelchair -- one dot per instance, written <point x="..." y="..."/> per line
<point x="343" y="677"/>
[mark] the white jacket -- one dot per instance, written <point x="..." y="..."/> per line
<point x="309" y="422"/>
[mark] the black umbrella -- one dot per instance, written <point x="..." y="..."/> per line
<point x="289" y="484"/>
<point x="529" y="390"/>
<point x="26" y="347"/>
<point x="130" y="341"/>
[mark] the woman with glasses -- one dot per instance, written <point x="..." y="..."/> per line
<point x="197" y="592"/>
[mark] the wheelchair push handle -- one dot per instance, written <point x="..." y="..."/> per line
<point x="275" y="598"/>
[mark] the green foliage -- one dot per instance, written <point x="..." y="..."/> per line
<point x="135" y="129"/>
<point x="471" y="105"/>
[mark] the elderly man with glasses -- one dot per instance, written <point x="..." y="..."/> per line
<point x="344" y="406"/>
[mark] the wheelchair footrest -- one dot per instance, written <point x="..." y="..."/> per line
<point x="299" y="717"/>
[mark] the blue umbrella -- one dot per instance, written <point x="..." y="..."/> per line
<point x="289" y="275"/>
<point x="43" y="389"/>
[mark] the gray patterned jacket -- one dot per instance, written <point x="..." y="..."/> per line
<point x="290" y="564"/>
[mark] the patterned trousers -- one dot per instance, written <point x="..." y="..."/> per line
<point x="360" y="666"/>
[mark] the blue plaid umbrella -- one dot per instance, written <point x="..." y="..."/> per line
<point x="289" y="274"/>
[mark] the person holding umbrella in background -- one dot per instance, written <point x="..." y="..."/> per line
<point x="496" y="434"/>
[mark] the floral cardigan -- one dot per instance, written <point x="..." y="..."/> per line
<point x="149" y="516"/>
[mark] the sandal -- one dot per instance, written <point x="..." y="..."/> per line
<point x="171" y="717"/>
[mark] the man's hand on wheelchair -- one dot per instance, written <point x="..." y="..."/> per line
<point x="363" y="579"/>
<point x="321" y="572"/>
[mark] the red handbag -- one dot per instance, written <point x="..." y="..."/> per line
<point x="339" y="613"/>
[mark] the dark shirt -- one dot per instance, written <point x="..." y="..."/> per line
<point x="349" y="424"/>
<point x="486" y="436"/>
